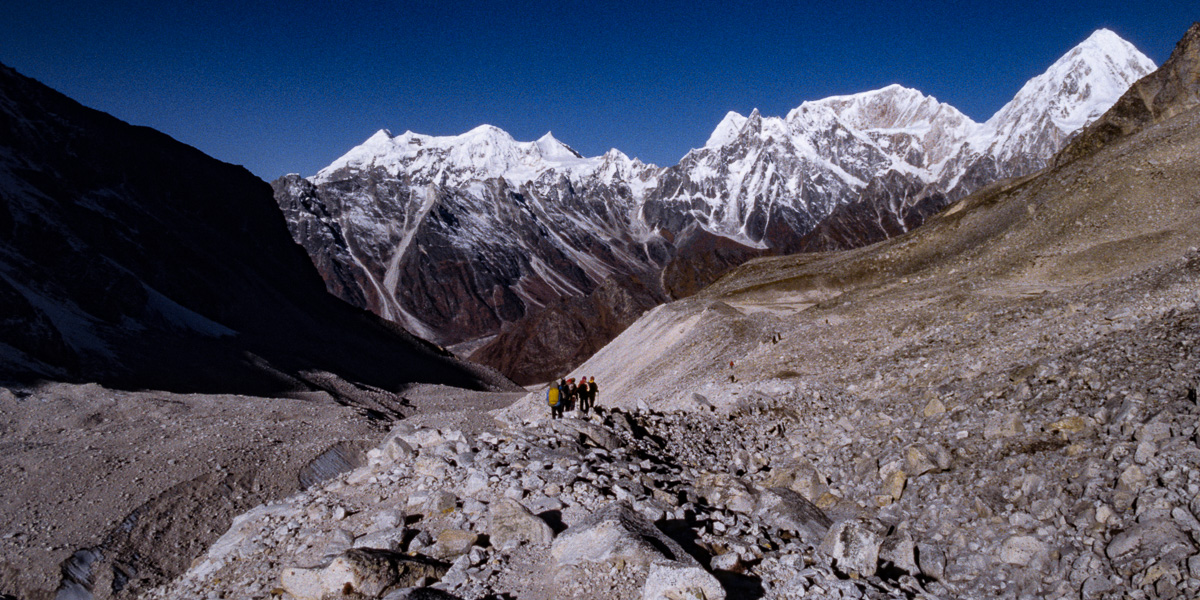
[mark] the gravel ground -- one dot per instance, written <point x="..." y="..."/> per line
<point x="148" y="480"/>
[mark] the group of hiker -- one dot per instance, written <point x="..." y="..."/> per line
<point x="567" y="395"/>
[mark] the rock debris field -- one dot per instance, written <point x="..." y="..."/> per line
<point x="1073" y="478"/>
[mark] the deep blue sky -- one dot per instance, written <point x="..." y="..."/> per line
<point x="288" y="87"/>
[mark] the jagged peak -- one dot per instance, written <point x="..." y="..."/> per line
<point x="383" y="135"/>
<point x="1104" y="62"/>
<point x="726" y="131"/>
<point x="551" y="147"/>
<point x="488" y="133"/>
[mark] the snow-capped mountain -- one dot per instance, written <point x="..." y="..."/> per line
<point x="483" y="153"/>
<point x="459" y="237"/>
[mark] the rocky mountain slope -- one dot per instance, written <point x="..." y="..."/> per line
<point x="129" y="259"/>
<point x="1002" y="404"/>
<point x="464" y="237"/>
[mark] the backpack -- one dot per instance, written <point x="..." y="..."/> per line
<point x="552" y="396"/>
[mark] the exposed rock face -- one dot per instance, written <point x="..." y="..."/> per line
<point x="461" y="238"/>
<point x="129" y="259"/>
<point x="533" y="349"/>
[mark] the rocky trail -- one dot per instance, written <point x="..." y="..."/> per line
<point x="1076" y="477"/>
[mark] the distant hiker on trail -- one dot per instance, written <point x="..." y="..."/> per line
<point x="593" y="392"/>
<point x="573" y="394"/>
<point x="585" y="395"/>
<point x="732" y="379"/>
<point x="554" y="397"/>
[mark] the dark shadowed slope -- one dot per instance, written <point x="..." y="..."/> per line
<point x="132" y="260"/>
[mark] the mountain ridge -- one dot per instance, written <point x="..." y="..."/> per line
<point x="877" y="162"/>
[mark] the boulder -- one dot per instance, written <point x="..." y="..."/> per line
<point x="586" y="432"/>
<point x="420" y="593"/>
<point x="453" y="543"/>
<point x="616" y="533"/>
<point x="1160" y="540"/>
<point x="785" y="509"/>
<point x="854" y="545"/>
<point x="800" y="476"/>
<point x="387" y="539"/>
<point x="671" y="580"/>
<point x="365" y="571"/>
<point x="510" y="524"/>
<point x="900" y="552"/>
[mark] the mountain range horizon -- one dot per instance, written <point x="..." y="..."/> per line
<point x="1099" y="36"/>
<point x="838" y="172"/>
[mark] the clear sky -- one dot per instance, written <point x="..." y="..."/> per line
<point x="289" y="86"/>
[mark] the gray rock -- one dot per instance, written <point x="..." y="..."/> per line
<point x="1003" y="426"/>
<point x="396" y="449"/>
<point x="510" y="524"/>
<point x="671" y="580"/>
<point x="616" y="533"/>
<point x="785" y="509"/>
<point x="1024" y="550"/>
<point x="1156" y="539"/>
<point x="900" y="551"/>
<point x="853" y="545"/>
<point x="387" y="539"/>
<point x="420" y="593"/>
<point x="365" y="571"/>
<point x="453" y="542"/>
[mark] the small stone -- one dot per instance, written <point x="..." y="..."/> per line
<point x="894" y="484"/>
<point x="1070" y="426"/>
<point x="917" y="461"/>
<point x="1023" y="550"/>
<point x="933" y="409"/>
<point x="1146" y="450"/>
<point x="1003" y="426"/>
<point x="453" y="542"/>
<point x="730" y="561"/>
<point x="1132" y="479"/>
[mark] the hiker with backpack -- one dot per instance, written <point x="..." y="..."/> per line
<point x="555" y="397"/>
